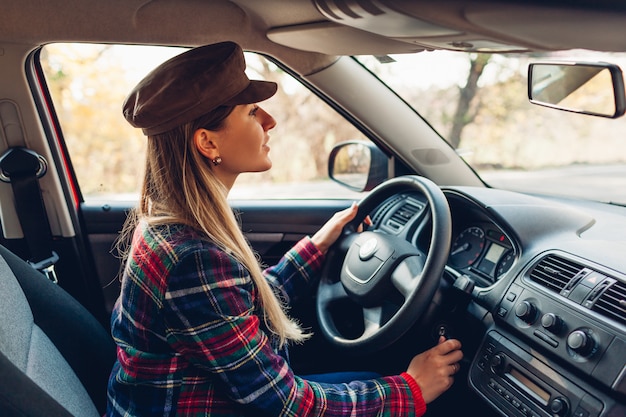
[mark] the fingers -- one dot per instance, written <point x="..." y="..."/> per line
<point x="367" y="221"/>
<point x="349" y="213"/>
<point x="455" y="367"/>
<point x="446" y="346"/>
<point x="330" y="231"/>
<point x="434" y="369"/>
<point x="451" y="354"/>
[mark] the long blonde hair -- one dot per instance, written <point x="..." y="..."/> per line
<point x="179" y="187"/>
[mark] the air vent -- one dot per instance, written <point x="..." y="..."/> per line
<point x="612" y="302"/>
<point x="402" y="215"/>
<point x="555" y="272"/>
<point x="384" y="208"/>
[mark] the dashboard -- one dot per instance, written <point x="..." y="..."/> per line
<point x="550" y="275"/>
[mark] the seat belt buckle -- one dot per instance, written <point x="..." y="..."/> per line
<point x="46" y="267"/>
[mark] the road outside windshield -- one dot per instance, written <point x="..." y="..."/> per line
<point x="479" y="104"/>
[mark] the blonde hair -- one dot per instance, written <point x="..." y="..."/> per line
<point x="179" y="187"/>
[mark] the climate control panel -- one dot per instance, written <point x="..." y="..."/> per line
<point x="569" y="334"/>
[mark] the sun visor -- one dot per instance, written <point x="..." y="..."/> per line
<point x="335" y="39"/>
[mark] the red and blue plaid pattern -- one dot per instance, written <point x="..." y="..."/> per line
<point x="191" y="341"/>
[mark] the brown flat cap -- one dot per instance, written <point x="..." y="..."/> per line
<point x="192" y="84"/>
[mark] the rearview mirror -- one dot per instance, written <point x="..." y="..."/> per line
<point x="589" y="88"/>
<point x="357" y="165"/>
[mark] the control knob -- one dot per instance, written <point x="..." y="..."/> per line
<point x="497" y="362"/>
<point x="551" y="322"/>
<point x="581" y="342"/>
<point x="526" y="311"/>
<point x="559" y="406"/>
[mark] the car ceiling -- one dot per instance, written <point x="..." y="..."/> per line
<point x="310" y="31"/>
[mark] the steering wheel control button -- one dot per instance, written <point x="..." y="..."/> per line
<point x="368" y="249"/>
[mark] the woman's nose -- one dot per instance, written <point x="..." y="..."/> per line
<point x="268" y="122"/>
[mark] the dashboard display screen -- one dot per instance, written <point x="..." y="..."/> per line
<point x="488" y="264"/>
<point x="524" y="382"/>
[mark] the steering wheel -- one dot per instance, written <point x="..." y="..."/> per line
<point x="388" y="279"/>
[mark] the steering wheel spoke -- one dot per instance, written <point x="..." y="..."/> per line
<point x="407" y="275"/>
<point x="372" y="318"/>
<point x="329" y="292"/>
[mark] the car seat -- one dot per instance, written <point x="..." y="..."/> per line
<point x="55" y="357"/>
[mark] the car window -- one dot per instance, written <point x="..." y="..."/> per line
<point x="88" y="83"/>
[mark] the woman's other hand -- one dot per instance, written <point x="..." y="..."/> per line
<point x="434" y="369"/>
<point x="329" y="233"/>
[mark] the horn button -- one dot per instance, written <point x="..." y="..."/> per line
<point x="368" y="265"/>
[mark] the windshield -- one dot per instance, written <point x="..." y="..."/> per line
<point x="479" y="104"/>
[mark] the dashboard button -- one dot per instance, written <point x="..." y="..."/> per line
<point x="580" y="412"/>
<point x="546" y="338"/>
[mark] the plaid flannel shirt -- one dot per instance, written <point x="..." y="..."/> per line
<point x="191" y="341"/>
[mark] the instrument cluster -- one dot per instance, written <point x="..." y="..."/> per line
<point x="482" y="250"/>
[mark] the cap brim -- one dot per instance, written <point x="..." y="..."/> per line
<point x="255" y="92"/>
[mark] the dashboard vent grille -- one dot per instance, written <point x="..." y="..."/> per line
<point x="555" y="272"/>
<point x="380" y="213"/>
<point x="612" y="302"/>
<point x="402" y="215"/>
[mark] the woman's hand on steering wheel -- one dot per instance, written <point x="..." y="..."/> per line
<point x="330" y="232"/>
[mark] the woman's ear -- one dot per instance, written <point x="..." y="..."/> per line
<point x="206" y="144"/>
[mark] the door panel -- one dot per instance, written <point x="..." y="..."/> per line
<point x="271" y="226"/>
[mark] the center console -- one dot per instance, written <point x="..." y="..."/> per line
<point x="550" y="355"/>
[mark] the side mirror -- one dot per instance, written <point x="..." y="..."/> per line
<point x="589" y="88"/>
<point x="357" y="165"/>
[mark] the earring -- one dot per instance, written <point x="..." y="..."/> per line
<point x="217" y="160"/>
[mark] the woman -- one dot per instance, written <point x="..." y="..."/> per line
<point x="201" y="330"/>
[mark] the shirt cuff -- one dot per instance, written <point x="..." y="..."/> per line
<point x="420" y="405"/>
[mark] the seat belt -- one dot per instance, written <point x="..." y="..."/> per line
<point x="22" y="168"/>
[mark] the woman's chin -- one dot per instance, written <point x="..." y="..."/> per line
<point x="263" y="168"/>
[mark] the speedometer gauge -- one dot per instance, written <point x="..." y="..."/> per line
<point x="467" y="247"/>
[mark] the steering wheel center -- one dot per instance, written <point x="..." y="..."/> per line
<point x="368" y="265"/>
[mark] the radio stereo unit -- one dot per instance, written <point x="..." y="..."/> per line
<point x="519" y="384"/>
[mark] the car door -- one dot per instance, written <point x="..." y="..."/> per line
<point x="276" y="209"/>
